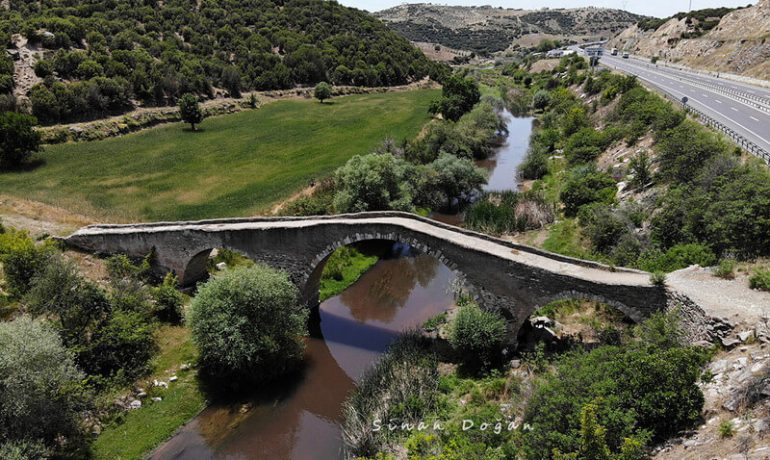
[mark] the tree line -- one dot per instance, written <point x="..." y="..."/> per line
<point x="100" y="56"/>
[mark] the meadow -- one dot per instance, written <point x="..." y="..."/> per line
<point x="235" y="165"/>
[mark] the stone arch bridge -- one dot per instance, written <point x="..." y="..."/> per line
<point x="511" y="278"/>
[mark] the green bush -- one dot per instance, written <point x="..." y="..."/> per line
<point x="23" y="450"/>
<point x="678" y="257"/>
<point x="18" y="139"/>
<point x="248" y="325"/>
<point x="683" y="150"/>
<point x="41" y="393"/>
<point x="168" y="300"/>
<point x="636" y="392"/>
<point x="726" y="429"/>
<point x="658" y="278"/>
<point x="585" y="186"/>
<point x="459" y="95"/>
<point x="760" y="279"/>
<point x="22" y="259"/>
<point x="478" y="336"/>
<point x="725" y="269"/>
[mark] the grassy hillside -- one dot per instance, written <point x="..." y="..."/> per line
<point x="236" y="165"/>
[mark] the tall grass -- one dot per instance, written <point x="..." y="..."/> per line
<point x="507" y="212"/>
<point x="401" y="388"/>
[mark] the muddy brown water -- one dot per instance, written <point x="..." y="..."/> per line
<point x="349" y="333"/>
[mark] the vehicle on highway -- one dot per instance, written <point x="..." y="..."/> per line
<point x="614" y="51"/>
<point x="625" y="54"/>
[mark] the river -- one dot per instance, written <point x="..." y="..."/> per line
<point x="302" y="420"/>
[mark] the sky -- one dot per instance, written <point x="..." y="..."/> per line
<point x="657" y="8"/>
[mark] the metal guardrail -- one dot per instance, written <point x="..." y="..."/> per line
<point x="761" y="103"/>
<point x="746" y="144"/>
<point x="739" y="139"/>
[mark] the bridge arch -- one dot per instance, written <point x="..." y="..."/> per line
<point x="309" y="284"/>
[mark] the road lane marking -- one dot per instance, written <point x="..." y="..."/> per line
<point x="753" y="118"/>
<point x="717" y="100"/>
<point x="733" y="108"/>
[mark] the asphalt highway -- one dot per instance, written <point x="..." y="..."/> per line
<point x="742" y="107"/>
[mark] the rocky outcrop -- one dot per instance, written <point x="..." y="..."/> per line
<point x="739" y="44"/>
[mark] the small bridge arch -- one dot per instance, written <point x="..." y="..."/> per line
<point x="511" y="278"/>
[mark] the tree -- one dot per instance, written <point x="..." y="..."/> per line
<point x="18" y="139"/>
<point x="456" y="177"/>
<point x="458" y="96"/>
<point x="374" y="182"/>
<point x="322" y="91"/>
<point x="190" y="110"/>
<point x="248" y="325"/>
<point x="41" y="395"/>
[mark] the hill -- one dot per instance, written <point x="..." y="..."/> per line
<point x="726" y="40"/>
<point x="76" y="60"/>
<point x="486" y="29"/>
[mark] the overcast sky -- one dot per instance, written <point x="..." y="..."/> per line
<point x="659" y="8"/>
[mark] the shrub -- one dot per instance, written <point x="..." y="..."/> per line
<point x="373" y="182"/>
<point x="541" y="99"/>
<point x="662" y="330"/>
<point x="41" y="395"/>
<point x="760" y="279"/>
<point x="658" y="278"/>
<point x="22" y="259"/>
<point x="683" y="150"/>
<point x="726" y="429"/>
<point x="534" y="166"/>
<point x="23" y="450"/>
<point x="678" y="257"/>
<point x="584" y="186"/>
<point x="248" y="325"/>
<point x="725" y="269"/>
<point x="636" y="391"/>
<point x="168" y="300"/>
<point x="120" y="348"/>
<point x="478" y="336"/>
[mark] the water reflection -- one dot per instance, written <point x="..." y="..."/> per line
<point x="348" y="335"/>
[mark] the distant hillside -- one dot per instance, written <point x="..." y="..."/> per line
<point x="485" y="29"/>
<point x="83" y="59"/>
<point x="727" y="40"/>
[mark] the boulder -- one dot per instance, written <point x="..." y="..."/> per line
<point x="729" y="343"/>
<point x="135" y="404"/>
<point x="745" y="335"/>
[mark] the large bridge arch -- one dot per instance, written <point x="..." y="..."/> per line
<point x="310" y="284"/>
<point x="511" y="278"/>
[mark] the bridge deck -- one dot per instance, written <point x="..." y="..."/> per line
<point x="495" y="247"/>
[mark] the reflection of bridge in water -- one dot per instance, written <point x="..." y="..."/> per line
<point x="511" y="278"/>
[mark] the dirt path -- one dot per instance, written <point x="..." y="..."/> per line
<point x="39" y="219"/>
<point x="731" y="299"/>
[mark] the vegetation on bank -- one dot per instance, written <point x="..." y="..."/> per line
<point x="433" y="171"/>
<point x="344" y="267"/>
<point x="234" y="165"/>
<point x="101" y="56"/>
<point x="611" y="401"/>
<point x="688" y="200"/>
<point x="107" y="332"/>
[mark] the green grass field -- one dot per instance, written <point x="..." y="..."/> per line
<point x="237" y="165"/>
